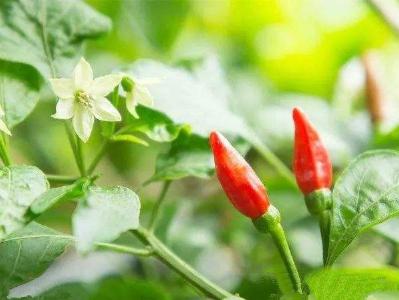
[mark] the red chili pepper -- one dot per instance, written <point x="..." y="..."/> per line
<point x="239" y="181"/>
<point x="312" y="165"/>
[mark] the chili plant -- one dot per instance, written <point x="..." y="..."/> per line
<point x="182" y="113"/>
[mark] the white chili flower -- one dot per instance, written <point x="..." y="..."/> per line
<point x="82" y="98"/>
<point x="3" y="126"/>
<point x="139" y="94"/>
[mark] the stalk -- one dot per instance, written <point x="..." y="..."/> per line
<point x="270" y="222"/>
<point x="280" y="240"/>
<point x="165" y="255"/>
<point x="158" y="204"/>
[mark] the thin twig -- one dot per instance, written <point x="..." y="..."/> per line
<point x="158" y="204"/>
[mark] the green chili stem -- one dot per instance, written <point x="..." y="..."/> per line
<point x="158" y="204"/>
<point x="278" y="235"/>
<point x="165" y="255"/>
<point x="324" y="222"/>
<point x="319" y="203"/>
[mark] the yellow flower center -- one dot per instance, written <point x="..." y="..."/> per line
<point x="83" y="98"/>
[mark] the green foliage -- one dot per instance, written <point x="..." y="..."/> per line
<point x="331" y="284"/>
<point x="284" y="45"/>
<point x="27" y="253"/>
<point x="128" y="138"/>
<point x="252" y="288"/>
<point x="126" y="288"/>
<point x="129" y="289"/>
<point x="103" y="214"/>
<point x="153" y="124"/>
<point x="58" y="194"/>
<point x="19" y="91"/>
<point x="189" y="155"/>
<point x="68" y="291"/>
<point x="47" y="35"/>
<point x="19" y="187"/>
<point x="365" y="194"/>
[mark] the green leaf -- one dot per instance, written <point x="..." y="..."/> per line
<point x="27" y="253"/>
<point x="129" y="289"/>
<point x="19" y="91"/>
<point x="332" y="284"/>
<point x="67" y="291"/>
<point x="103" y="214"/>
<point x="189" y="155"/>
<point x="265" y="287"/>
<point x="19" y="187"/>
<point x="151" y="18"/>
<point x="36" y="32"/>
<point x="128" y="138"/>
<point x="125" y="288"/>
<point x="366" y="194"/>
<point x="154" y="124"/>
<point x="55" y="195"/>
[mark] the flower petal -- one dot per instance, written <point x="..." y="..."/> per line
<point x="142" y="95"/>
<point x="63" y="88"/>
<point x="64" y="109"/>
<point x="82" y="121"/>
<point x="105" y="111"/>
<point x="4" y="128"/>
<point x="131" y="104"/>
<point x="104" y="85"/>
<point x="82" y="75"/>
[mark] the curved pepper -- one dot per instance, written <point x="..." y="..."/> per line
<point x="238" y="180"/>
<point x="312" y="165"/>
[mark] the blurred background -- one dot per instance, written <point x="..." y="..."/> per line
<point x="336" y="59"/>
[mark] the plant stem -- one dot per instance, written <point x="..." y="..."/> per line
<point x="275" y="162"/>
<point x="125" y="249"/>
<point x="158" y="204"/>
<point x="186" y="271"/>
<point x="280" y="240"/>
<point x="324" y="222"/>
<point x="79" y="158"/>
<point x="72" y="142"/>
<point x="4" y="152"/>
